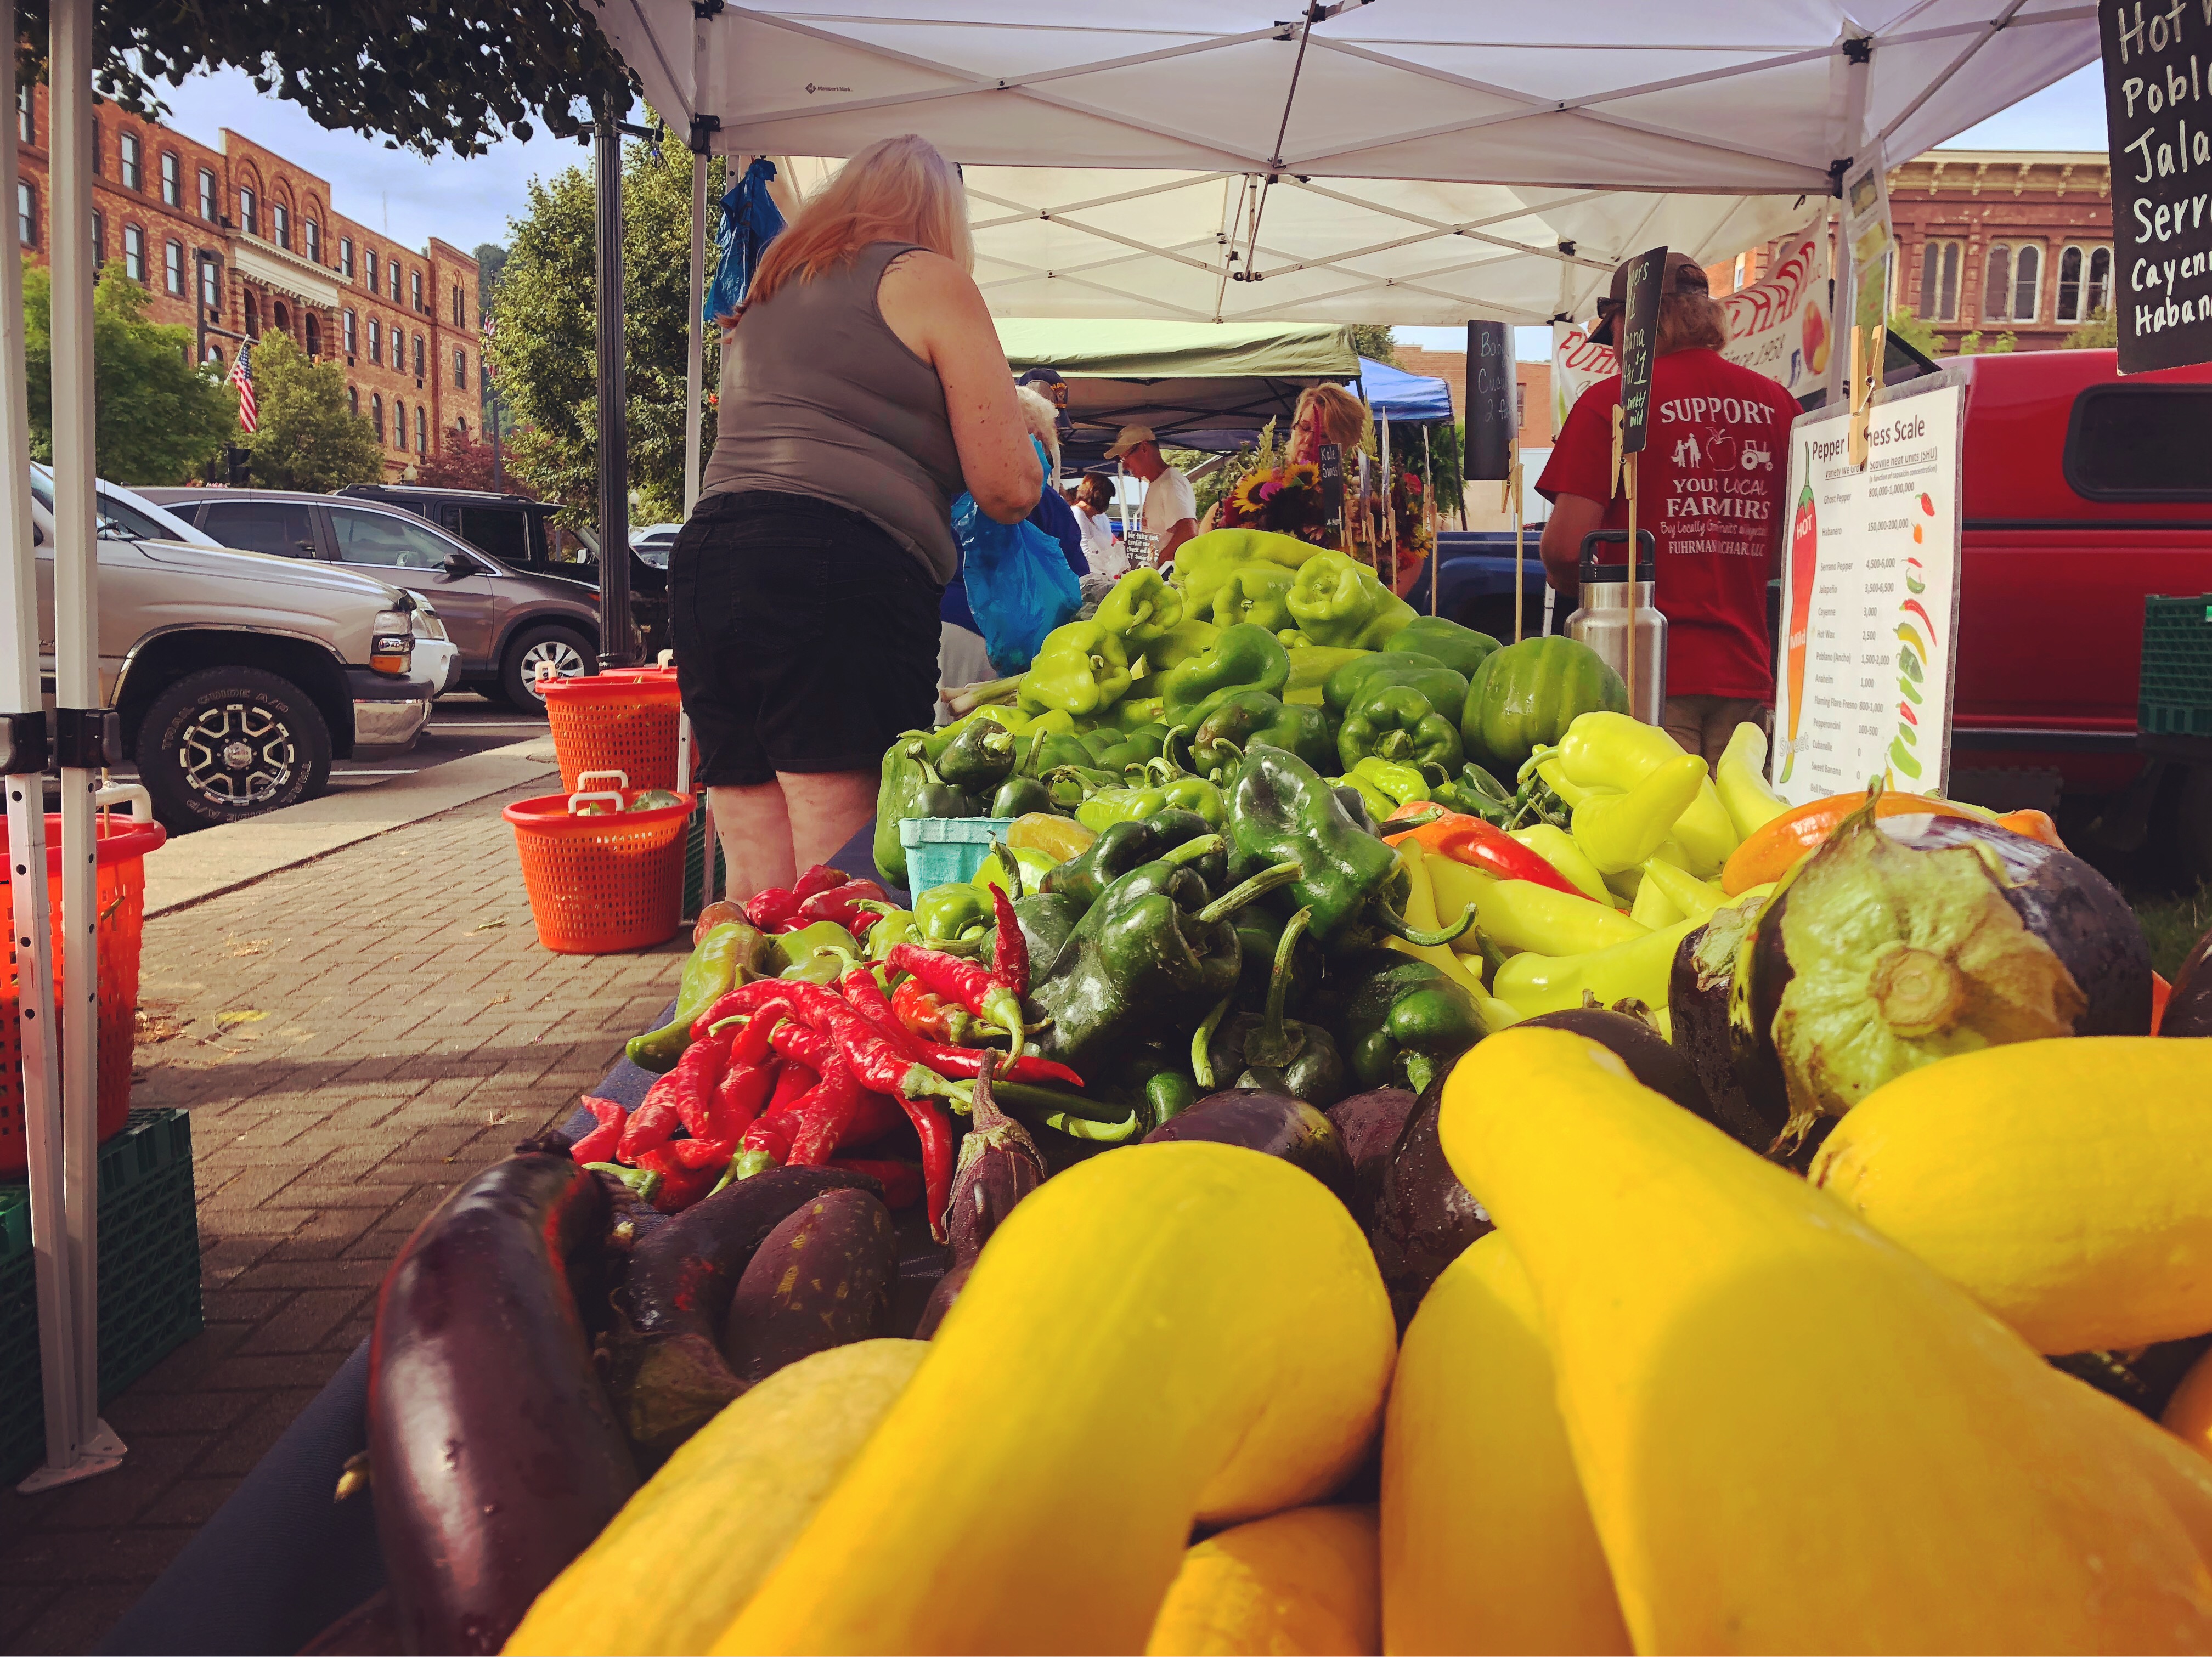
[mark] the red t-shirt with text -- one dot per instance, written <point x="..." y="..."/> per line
<point x="1709" y="488"/>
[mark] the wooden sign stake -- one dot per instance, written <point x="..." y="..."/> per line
<point x="1628" y="483"/>
<point x="1512" y="502"/>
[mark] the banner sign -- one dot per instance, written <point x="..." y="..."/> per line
<point x="1870" y="598"/>
<point x="1491" y="436"/>
<point x="2158" y="117"/>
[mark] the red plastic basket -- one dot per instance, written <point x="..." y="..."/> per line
<point x="121" y="900"/>
<point x="601" y="883"/>
<point x="623" y="721"/>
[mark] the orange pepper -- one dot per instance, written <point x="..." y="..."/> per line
<point x="2160" y="992"/>
<point x="1463" y="839"/>
<point x="1774" y="848"/>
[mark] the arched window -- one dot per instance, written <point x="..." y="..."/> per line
<point x="133" y="154"/>
<point x="172" y="266"/>
<point x="347" y="326"/>
<point x="375" y="341"/>
<point x="280" y="224"/>
<point x="1996" y="283"/>
<point x="281" y="316"/>
<point x="134" y="253"/>
<point x="2026" y="283"/>
<point x="2085" y="275"/>
<point x="376" y="416"/>
<point x="415" y="287"/>
<point x="311" y="239"/>
<point x="392" y="269"/>
<point x="211" y="287"/>
<point x="421" y="431"/>
<point x="253" y="316"/>
<point x="249" y="204"/>
<point x="314" y="336"/>
<point x="460" y="369"/>
<point x="418" y="356"/>
<point x="2101" y="277"/>
<point x="173" y="179"/>
<point x="353" y="399"/>
<point x="461" y="426"/>
<point x="460" y="311"/>
<point x="368" y="267"/>
<point x="398" y="424"/>
<point x="1939" y="281"/>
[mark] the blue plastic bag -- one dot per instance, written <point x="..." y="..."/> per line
<point x="750" y="220"/>
<point x="1019" y="585"/>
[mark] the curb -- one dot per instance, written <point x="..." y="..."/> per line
<point x="197" y="866"/>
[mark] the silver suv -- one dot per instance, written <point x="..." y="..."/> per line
<point x="506" y="623"/>
<point x="240" y="677"/>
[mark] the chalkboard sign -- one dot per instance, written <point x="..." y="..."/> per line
<point x="1491" y="433"/>
<point x="1332" y="491"/>
<point x="2158" y="113"/>
<point x="1639" y="329"/>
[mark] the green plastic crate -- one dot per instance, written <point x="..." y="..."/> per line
<point x="2176" y="687"/>
<point x="149" y="1275"/>
<point x="699" y="843"/>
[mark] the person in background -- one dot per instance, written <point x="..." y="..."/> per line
<point x="863" y="387"/>
<point x="961" y="657"/>
<point x="1091" y="499"/>
<point x="1326" y="413"/>
<point x="1048" y="383"/>
<point x="1709" y="487"/>
<point x="1170" y="503"/>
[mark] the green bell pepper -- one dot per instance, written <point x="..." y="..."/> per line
<point x="1081" y="667"/>
<point x="1124" y="750"/>
<point x="819" y="953"/>
<point x="1398" y="723"/>
<point x="1282" y="812"/>
<point x="1244" y="658"/>
<point x="1019" y="796"/>
<point x="1203" y="563"/>
<point x="1047" y="754"/>
<point x="1180" y="793"/>
<point x="1253" y="716"/>
<point x="954" y="910"/>
<point x="1121" y="846"/>
<point x="730" y="954"/>
<point x="1444" y="686"/>
<point x="912" y="788"/>
<point x="1524" y="697"/>
<point x="895" y="926"/>
<point x="1338" y="601"/>
<point x="1459" y="648"/>
<point x="1258" y="593"/>
<point x="1186" y="639"/>
<point x="979" y="758"/>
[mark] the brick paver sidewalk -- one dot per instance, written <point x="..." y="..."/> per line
<point x="352" y="1036"/>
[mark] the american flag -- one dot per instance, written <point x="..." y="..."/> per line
<point x="241" y="375"/>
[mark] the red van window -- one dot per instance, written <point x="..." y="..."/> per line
<point x="2141" y="443"/>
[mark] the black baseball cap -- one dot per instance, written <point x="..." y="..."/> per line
<point x="1683" y="274"/>
<point x="1053" y="390"/>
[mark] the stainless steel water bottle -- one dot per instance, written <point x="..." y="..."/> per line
<point x="1612" y="605"/>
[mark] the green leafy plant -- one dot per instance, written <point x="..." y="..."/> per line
<point x="308" y="438"/>
<point x="1915" y="332"/>
<point x="2100" y="332"/>
<point x="156" y="418"/>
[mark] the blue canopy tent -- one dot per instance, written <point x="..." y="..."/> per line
<point x="1402" y="398"/>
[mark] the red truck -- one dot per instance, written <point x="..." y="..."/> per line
<point x="2083" y="493"/>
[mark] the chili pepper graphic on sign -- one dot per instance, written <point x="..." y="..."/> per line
<point x="1804" y="561"/>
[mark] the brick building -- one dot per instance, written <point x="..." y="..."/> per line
<point x="1531" y="388"/>
<point x="237" y="241"/>
<point x="1992" y="242"/>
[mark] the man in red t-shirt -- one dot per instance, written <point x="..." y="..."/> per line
<point x="1709" y="488"/>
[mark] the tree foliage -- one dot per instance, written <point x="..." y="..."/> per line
<point x="462" y="463"/>
<point x="542" y="347"/>
<point x="308" y="438"/>
<point x="1920" y="335"/>
<point x="1375" y="341"/>
<point x="156" y="418"/>
<point x="455" y="75"/>
<point x="2100" y="333"/>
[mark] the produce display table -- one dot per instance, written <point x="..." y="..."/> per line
<point x="280" y="1561"/>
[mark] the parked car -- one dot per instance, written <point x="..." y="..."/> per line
<point x="239" y="678"/>
<point x="524" y="534"/>
<point x="654" y="542"/>
<point x="505" y="622"/>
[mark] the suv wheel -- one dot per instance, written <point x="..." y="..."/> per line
<point x="229" y="743"/>
<point x="518" y="673"/>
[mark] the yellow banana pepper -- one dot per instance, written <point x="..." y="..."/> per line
<point x="1612" y="750"/>
<point x="1653" y="907"/>
<point x="1557" y="848"/>
<point x="1637" y="970"/>
<point x="1621" y="831"/>
<point x="1422" y="912"/>
<point x="1689" y="895"/>
<point x="1739" y="779"/>
<point x="1520" y="914"/>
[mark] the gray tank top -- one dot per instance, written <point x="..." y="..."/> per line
<point x="819" y="398"/>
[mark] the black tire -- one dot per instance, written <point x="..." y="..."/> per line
<point x="561" y="645"/>
<point x="226" y="743"/>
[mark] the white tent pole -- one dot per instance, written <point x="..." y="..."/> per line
<point x="1843" y="308"/>
<point x="695" y="344"/>
<point x="26" y="722"/>
<point x="77" y="696"/>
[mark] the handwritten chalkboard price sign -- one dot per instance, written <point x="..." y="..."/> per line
<point x="2158" y="112"/>
<point x="1489" y="423"/>
<point x="1639" y="329"/>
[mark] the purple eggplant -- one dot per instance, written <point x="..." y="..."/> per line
<point x="822" y="1278"/>
<point x="664" y="1353"/>
<point x="1274" y="1123"/>
<point x="496" y="1454"/>
<point x="2189" y="1008"/>
<point x="999" y="1165"/>
<point x="1742" y="1086"/>
<point x="1369" y="1124"/>
<point x="1425" y="1219"/>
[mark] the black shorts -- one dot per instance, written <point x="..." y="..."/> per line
<point x="805" y="637"/>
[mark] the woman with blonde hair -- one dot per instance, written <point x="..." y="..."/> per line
<point x="862" y="388"/>
<point x="1325" y="414"/>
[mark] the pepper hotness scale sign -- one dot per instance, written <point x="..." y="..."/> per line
<point x="2158" y="116"/>
<point x="1870" y="598"/>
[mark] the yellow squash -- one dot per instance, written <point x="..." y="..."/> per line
<point x="710" y="1524"/>
<point x="1793" y="1435"/>
<point x="1169" y="1333"/>
<point x="2065" y="1184"/>
<point x="1297" y="1584"/>
<point x="1487" y="1544"/>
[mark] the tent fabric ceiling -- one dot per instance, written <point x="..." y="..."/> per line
<point x="1410" y="160"/>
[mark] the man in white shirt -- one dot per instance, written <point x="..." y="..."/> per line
<point x="1170" y="503"/>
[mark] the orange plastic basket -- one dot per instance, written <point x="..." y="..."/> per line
<point x="120" y="886"/>
<point x="623" y="721"/>
<point x="606" y="882"/>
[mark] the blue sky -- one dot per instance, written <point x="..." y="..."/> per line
<point x="468" y="202"/>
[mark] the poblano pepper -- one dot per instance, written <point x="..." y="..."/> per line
<point x="1152" y="954"/>
<point x="1019" y="796"/>
<point x="1258" y="593"/>
<point x="1081" y="667"/>
<point x="1280" y="811"/>
<point x="1339" y="601"/>
<point x="1124" y="846"/>
<point x="1460" y="648"/>
<point x="1189" y="637"/>
<point x="1140" y="608"/>
<point x="1396" y="1020"/>
<point x="1244" y="658"/>
<point x="955" y="910"/>
<point x="1170" y="793"/>
<point x="911" y="788"/>
<point x="1205" y="563"/>
<point x="1268" y="1050"/>
<point x="1253" y="716"/>
<point x="1399" y="723"/>
<point x="1445" y="688"/>
<point x="979" y="758"/>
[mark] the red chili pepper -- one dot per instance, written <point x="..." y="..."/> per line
<point x="688" y="1169"/>
<point x="793" y="1081"/>
<point x="922" y="1011"/>
<point x="879" y="1114"/>
<point x="967" y="1063"/>
<point x="842" y="904"/>
<point x="1477" y="844"/>
<point x="738" y="1097"/>
<point x="820" y="878"/>
<point x="973" y="986"/>
<point x="934" y="1130"/>
<point x="599" y="1146"/>
<point x="901" y="1182"/>
<point x="1010" y="957"/>
<point x="810" y="1047"/>
<point x="770" y="909"/>
<point x="743" y="1001"/>
<point x="822" y="1115"/>
<point x="696" y="1076"/>
<point x="654" y="1122"/>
